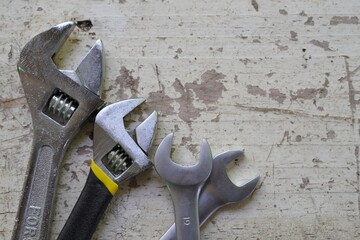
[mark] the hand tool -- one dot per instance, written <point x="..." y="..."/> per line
<point x="218" y="190"/>
<point x="184" y="184"/>
<point x="60" y="101"/>
<point x="118" y="157"/>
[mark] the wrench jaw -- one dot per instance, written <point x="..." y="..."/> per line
<point x="174" y="173"/>
<point x="115" y="150"/>
<point x="60" y="100"/>
<point x="41" y="48"/>
<point x="90" y="70"/>
<point x="145" y="132"/>
<point x="225" y="188"/>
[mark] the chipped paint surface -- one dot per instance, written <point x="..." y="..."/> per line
<point x="279" y="79"/>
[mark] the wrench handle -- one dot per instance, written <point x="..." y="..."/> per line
<point x="185" y="201"/>
<point x="35" y="209"/>
<point x="90" y="207"/>
<point x="208" y="204"/>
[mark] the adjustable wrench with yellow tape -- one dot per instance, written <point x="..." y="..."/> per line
<point x="118" y="156"/>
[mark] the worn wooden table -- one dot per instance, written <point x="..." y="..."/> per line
<point x="278" y="78"/>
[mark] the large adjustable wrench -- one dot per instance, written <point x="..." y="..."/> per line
<point x="60" y="101"/>
<point x="219" y="190"/>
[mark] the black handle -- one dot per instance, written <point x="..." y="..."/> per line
<point x="88" y="210"/>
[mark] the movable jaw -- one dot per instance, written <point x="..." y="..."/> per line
<point x="60" y="99"/>
<point x="116" y="152"/>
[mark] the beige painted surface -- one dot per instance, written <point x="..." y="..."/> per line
<point x="278" y="78"/>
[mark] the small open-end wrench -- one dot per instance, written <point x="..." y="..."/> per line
<point x="60" y="101"/>
<point x="118" y="155"/>
<point x="184" y="184"/>
<point x="218" y="190"/>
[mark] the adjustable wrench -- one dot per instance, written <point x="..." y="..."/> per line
<point x="60" y="101"/>
<point x="218" y="190"/>
<point x="118" y="157"/>
<point x="184" y="184"/>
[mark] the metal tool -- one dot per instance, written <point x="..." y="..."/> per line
<point x="60" y="101"/>
<point x="119" y="155"/>
<point x="184" y="184"/>
<point x="218" y="190"/>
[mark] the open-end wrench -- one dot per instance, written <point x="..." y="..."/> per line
<point x="218" y="190"/>
<point x="118" y="155"/>
<point x="60" y="101"/>
<point x="184" y="184"/>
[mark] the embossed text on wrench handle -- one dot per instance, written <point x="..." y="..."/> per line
<point x="206" y="206"/>
<point x="34" y="215"/>
<point x="186" y="211"/>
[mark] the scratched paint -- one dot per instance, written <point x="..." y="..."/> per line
<point x="278" y="78"/>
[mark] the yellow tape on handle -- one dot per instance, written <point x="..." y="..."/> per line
<point x="105" y="179"/>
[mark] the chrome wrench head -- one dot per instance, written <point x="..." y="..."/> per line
<point x="115" y="151"/>
<point x="182" y="175"/>
<point x="225" y="188"/>
<point x="184" y="184"/>
<point x="219" y="190"/>
<point x="60" y="101"/>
